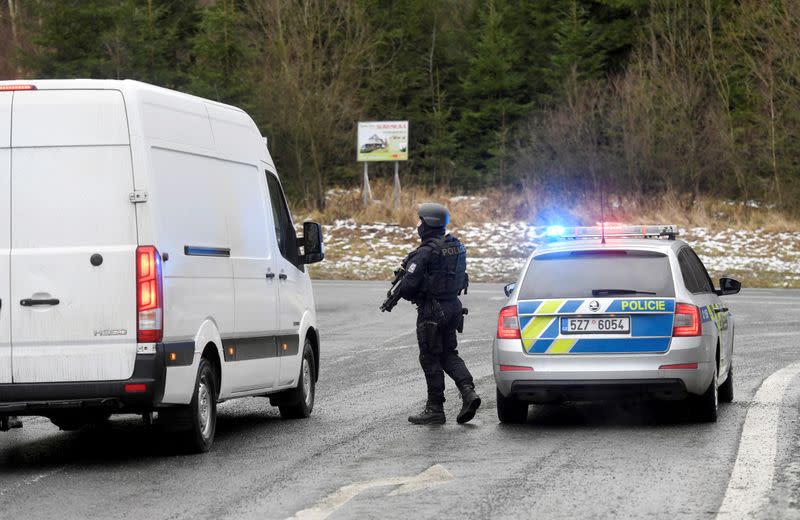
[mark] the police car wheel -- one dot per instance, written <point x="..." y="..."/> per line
<point x="511" y="410"/>
<point x="706" y="405"/>
<point x="726" y="388"/>
<point x="299" y="402"/>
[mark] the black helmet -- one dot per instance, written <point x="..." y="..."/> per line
<point x="434" y="215"/>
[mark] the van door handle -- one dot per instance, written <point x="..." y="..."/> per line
<point x="270" y="276"/>
<point x="29" y="302"/>
<point x="282" y="276"/>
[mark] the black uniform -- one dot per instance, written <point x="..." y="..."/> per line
<point x="435" y="275"/>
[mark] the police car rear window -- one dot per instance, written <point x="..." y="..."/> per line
<point x="575" y="274"/>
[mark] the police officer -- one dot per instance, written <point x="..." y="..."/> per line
<point x="435" y="276"/>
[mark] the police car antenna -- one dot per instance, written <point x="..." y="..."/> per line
<point x="602" y="216"/>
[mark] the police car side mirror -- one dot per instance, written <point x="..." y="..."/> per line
<point x="728" y="286"/>
<point x="508" y="289"/>
<point x="313" y="250"/>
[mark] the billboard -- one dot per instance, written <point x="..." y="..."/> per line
<point x="382" y="141"/>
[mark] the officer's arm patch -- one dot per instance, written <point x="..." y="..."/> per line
<point x="412" y="267"/>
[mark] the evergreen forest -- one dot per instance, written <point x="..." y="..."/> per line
<point x="641" y="98"/>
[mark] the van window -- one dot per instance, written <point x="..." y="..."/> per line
<point x="575" y="274"/>
<point x="284" y="229"/>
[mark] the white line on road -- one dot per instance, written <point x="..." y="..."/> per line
<point x="751" y="480"/>
<point x="765" y="334"/>
<point x="31" y="480"/>
<point x="432" y="476"/>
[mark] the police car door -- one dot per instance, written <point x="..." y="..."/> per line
<point x="5" y="236"/>
<point x="699" y="284"/>
<point x="717" y="313"/>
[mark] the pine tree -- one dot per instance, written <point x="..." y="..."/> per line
<point x="136" y="39"/>
<point x="223" y="62"/>
<point x="578" y="54"/>
<point x="495" y="97"/>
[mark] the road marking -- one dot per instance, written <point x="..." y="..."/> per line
<point x="751" y="481"/>
<point x="31" y="480"/>
<point x="432" y="476"/>
<point x="765" y="334"/>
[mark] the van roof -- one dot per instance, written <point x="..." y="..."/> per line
<point x="136" y="91"/>
<point x="125" y="85"/>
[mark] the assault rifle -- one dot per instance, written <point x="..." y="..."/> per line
<point x="393" y="296"/>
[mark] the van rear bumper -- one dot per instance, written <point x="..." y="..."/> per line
<point x="39" y="398"/>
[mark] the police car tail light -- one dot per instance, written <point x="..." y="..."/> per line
<point x="508" y="323"/>
<point x="687" y="320"/>
<point x="149" y="295"/>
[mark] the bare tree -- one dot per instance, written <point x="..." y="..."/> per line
<point x="314" y="54"/>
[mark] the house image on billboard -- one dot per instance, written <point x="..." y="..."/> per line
<point x="374" y="143"/>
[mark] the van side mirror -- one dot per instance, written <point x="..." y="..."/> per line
<point x="728" y="286"/>
<point x="313" y="250"/>
<point x="508" y="289"/>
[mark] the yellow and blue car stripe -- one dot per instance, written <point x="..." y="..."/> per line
<point x="651" y="325"/>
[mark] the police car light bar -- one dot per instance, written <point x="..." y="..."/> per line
<point x="612" y="229"/>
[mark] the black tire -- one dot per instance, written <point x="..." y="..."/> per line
<point x="298" y="403"/>
<point x="706" y="405"/>
<point x="511" y="410"/>
<point x="196" y="423"/>
<point x="726" y="388"/>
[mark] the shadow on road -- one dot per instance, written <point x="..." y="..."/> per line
<point x="612" y="414"/>
<point x="127" y="440"/>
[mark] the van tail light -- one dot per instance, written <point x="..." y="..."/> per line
<point x="149" y="295"/>
<point x="508" y="323"/>
<point x="12" y="88"/>
<point x="687" y="321"/>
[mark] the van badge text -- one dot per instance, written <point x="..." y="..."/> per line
<point x="111" y="332"/>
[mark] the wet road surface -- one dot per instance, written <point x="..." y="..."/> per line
<point x="358" y="457"/>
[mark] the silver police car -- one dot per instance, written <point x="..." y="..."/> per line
<point x="614" y="311"/>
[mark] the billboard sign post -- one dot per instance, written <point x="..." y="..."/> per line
<point x="380" y="141"/>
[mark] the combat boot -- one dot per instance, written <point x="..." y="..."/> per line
<point x="470" y="406"/>
<point x="8" y="422"/>
<point x="432" y="414"/>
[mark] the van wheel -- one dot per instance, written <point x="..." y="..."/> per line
<point x="511" y="410"/>
<point x="726" y="388"/>
<point x="197" y="423"/>
<point x="299" y="402"/>
<point x="706" y="405"/>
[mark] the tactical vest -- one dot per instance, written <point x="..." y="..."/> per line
<point x="446" y="273"/>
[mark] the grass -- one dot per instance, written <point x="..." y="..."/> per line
<point x="539" y="209"/>
<point x="749" y="241"/>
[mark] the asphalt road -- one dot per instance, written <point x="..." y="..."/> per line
<point x="356" y="456"/>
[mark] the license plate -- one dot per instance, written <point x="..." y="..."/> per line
<point x="611" y="325"/>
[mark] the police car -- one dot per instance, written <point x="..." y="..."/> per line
<point x="614" y="311"/>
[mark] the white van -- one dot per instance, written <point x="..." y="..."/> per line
<point x="148" y="260"/>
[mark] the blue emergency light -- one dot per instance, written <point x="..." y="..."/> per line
<point x="611" y="230"/>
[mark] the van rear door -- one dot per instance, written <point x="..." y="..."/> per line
<point x="5" y="235"/>
<point x="73" y="238"/>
